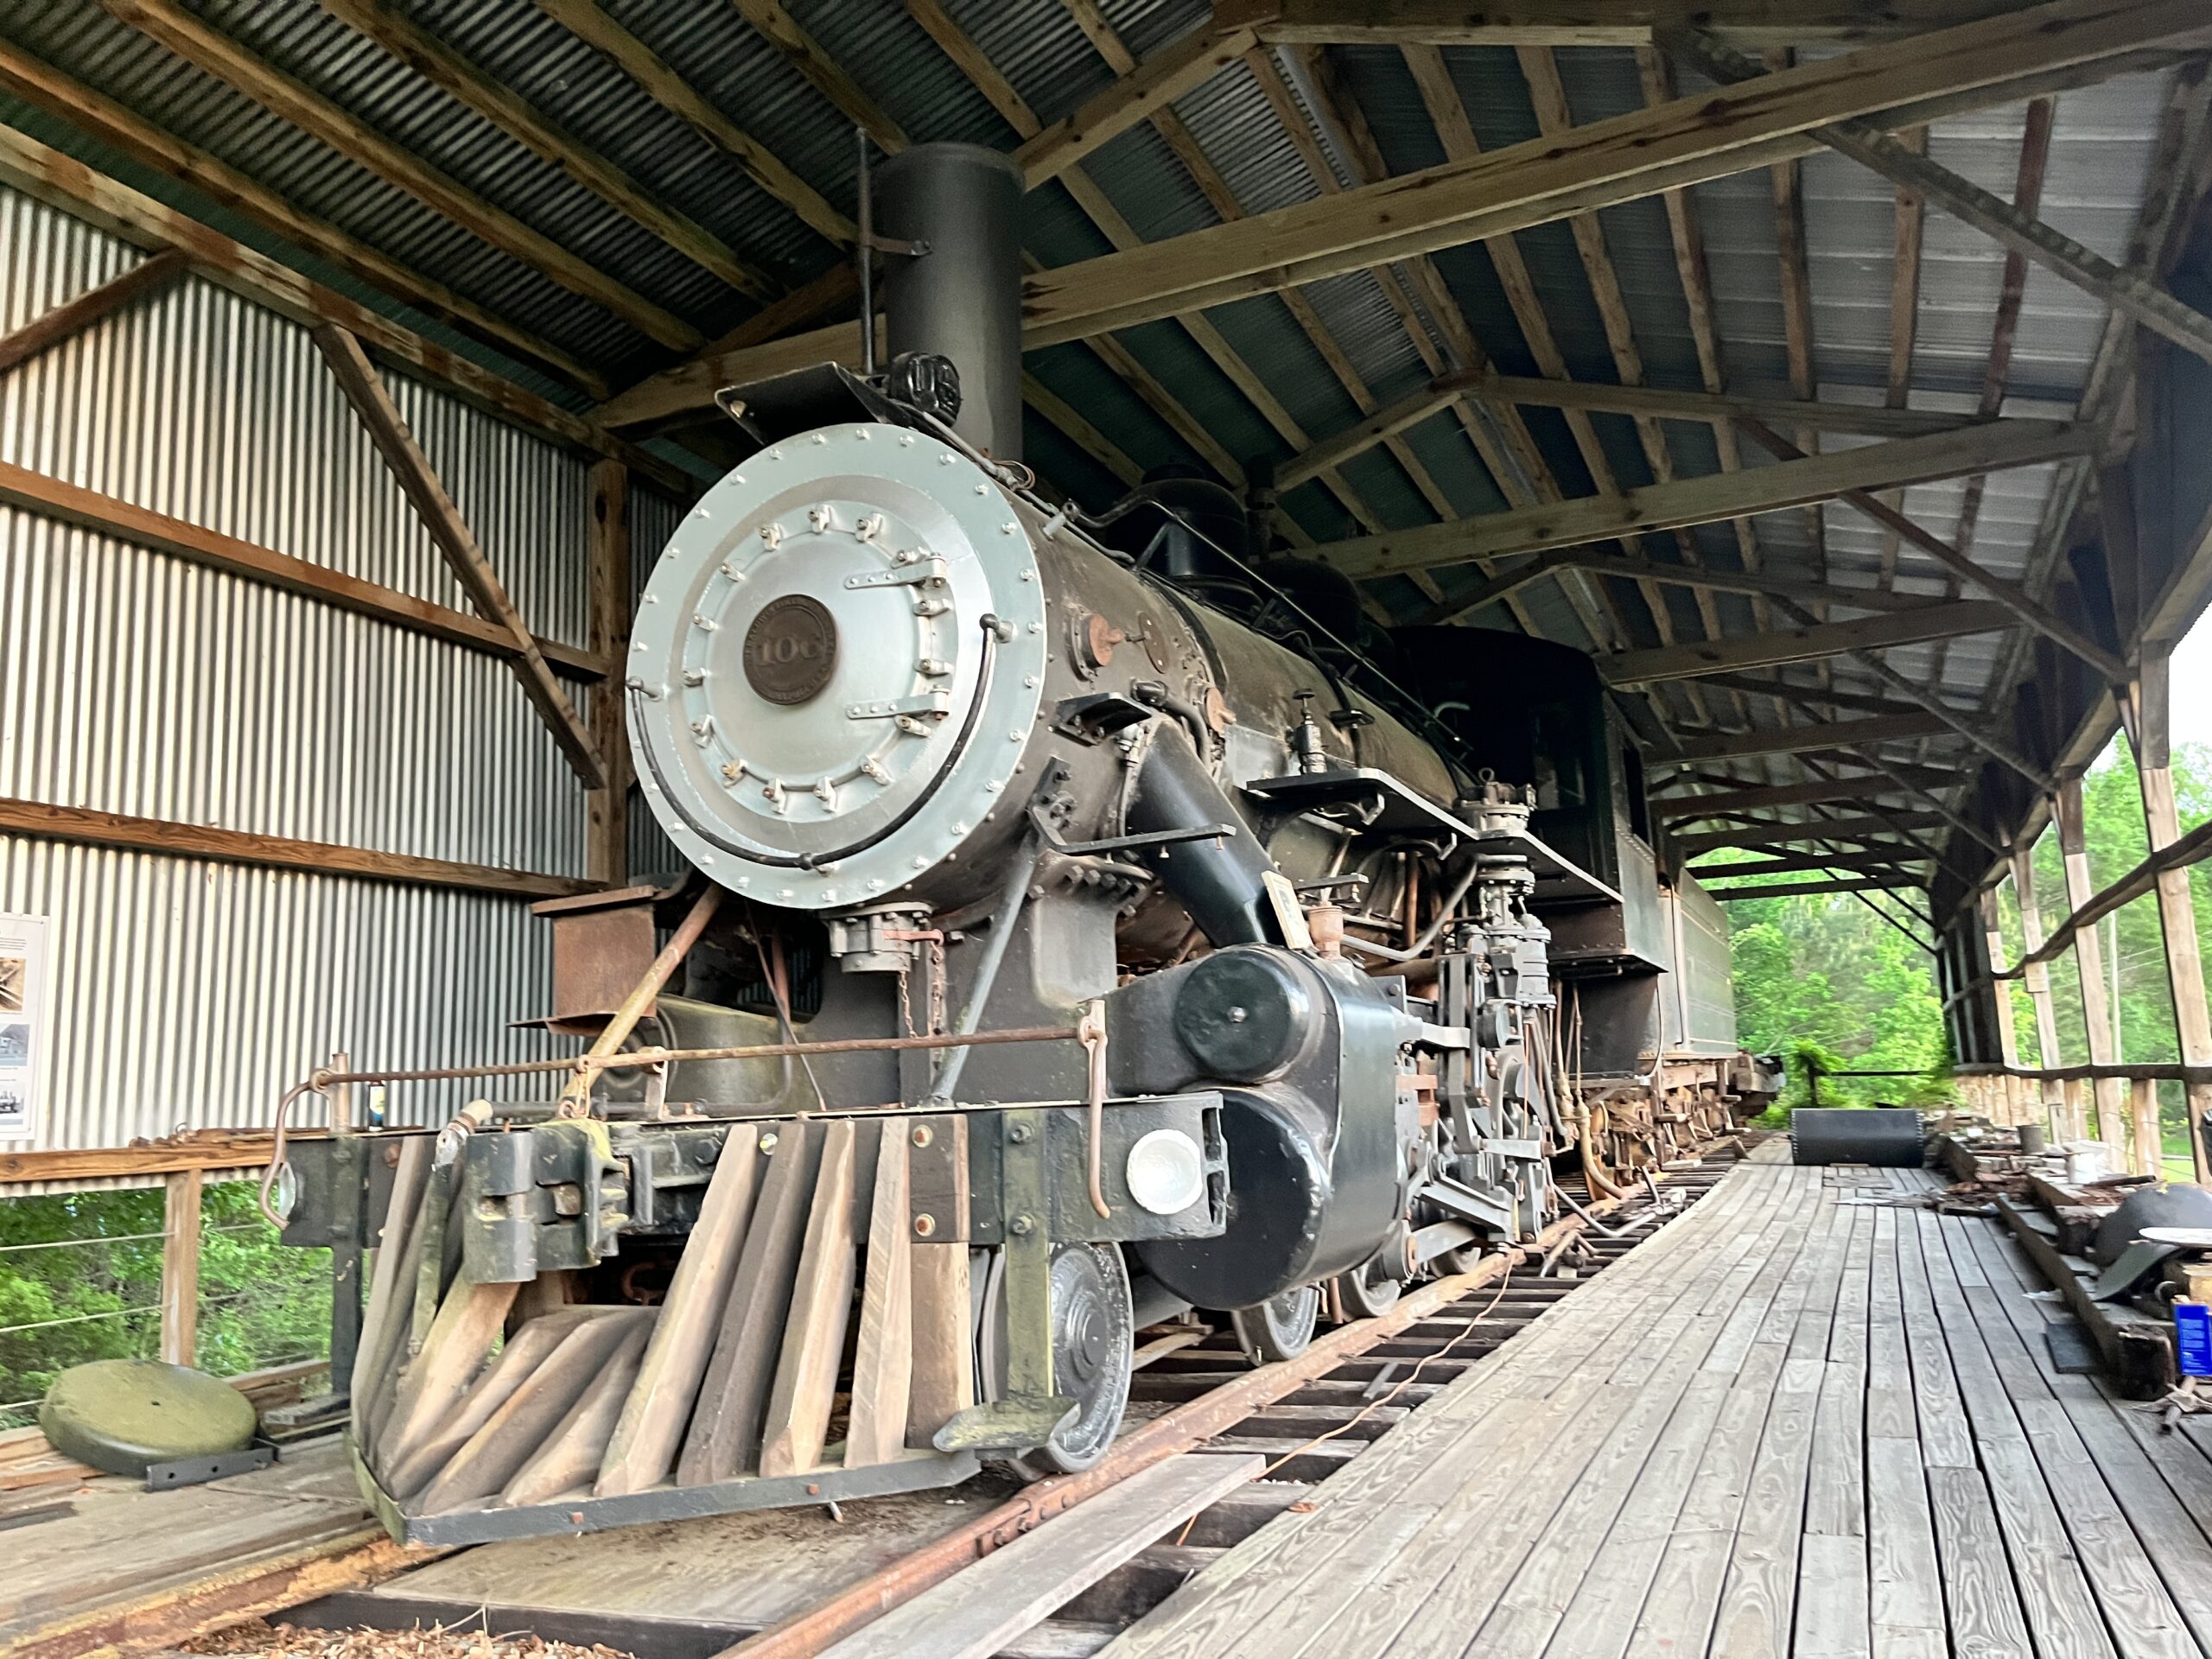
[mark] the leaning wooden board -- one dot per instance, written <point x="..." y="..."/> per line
<point x="976" y="1614"/>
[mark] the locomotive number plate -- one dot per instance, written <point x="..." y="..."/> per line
<point x="790" y="650"/>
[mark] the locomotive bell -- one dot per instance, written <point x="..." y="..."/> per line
<point x="837" y="665"/>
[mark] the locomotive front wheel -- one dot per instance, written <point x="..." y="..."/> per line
<point x="1369" y="1292"/>
<point x="1094" y="1338"/>
<point x="1279" y="1328"/>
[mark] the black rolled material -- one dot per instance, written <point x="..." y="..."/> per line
<point x="1885" y="1136"/>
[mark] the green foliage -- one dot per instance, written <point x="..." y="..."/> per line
<point x="84" y="1272"/>
<point x="1822" y="980"/>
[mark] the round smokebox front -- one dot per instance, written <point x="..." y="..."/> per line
<point x="835" y="667"/>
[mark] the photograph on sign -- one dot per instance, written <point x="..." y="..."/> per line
<point x="22" y="970"/>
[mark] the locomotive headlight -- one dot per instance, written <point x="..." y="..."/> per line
<point x="1165" y="1172"/>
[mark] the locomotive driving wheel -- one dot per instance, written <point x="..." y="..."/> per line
<point x="1279" y="1328"/>
<point x="1094" y="1337"/>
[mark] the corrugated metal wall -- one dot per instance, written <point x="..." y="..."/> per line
<point x="188" y="993"/>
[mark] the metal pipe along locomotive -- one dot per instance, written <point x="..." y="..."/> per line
<point x="1078" y="933"/>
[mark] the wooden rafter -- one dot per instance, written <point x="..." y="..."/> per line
<point x="1807" y="889"/>
<point x="1689" y="808"/>
<point x="1322" y="174"/>
<point x="1658" y="401"/>
<point x="40" y="84"/>
<point x="1714" y="578"/>
<point x="72" y="317"/>
<point x="776" y="25"/>
<point x="1548" y="96"/>
<point x="1015" y="110"/>
<point x="1833" y="734"/>
<point x="419" y="482"/>
<point x="1601" y="22"/>
<point x="1801" y="863"/>
<point x="1873" y="828"/>
<point x="1510" y="454"/>
<point x="1955" y="561"/>
<point x="584" y="19"/>
<point x="1806" y="643"/>
<point x="442" y="67"/>
<point x="1180" y="67"/>
<point x="1719" y="495"/>
<point x="216" y="53"/>
<point x="46" y="173"/>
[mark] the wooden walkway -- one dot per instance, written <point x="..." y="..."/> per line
<point x="1804" y="1420"/>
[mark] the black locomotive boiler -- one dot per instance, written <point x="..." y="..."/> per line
<point x="1080" y="931"/>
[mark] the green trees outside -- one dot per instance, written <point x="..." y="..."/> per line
<point x="1820" y="975"/>
<point x="80" y="1279"/>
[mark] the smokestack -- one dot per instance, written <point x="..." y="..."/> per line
<point x="963" y="298"/>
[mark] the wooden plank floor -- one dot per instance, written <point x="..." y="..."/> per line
<point x="1811" y="1418"/>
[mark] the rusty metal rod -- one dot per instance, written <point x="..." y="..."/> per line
<point x="662" y="1056"/>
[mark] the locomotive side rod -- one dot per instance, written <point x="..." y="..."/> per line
<point x="1183" y="1429"/>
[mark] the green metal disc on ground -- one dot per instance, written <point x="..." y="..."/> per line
<point x="123" y="1415"/>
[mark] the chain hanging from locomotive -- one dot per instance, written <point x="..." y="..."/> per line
<point x="1264" y="1019"/>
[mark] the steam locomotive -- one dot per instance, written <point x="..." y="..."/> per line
<point x="1090" y="921"/>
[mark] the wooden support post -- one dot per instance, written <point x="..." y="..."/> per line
<point x="607" y="823"/>
<point x="2090" y="959"/>
<point x="2177" y="909"/>
<point x="181" y="1267"/>
<point x="2143" y="1119"/>
<point x="2039" y="982"/>
<point x="2008" y="1034"/>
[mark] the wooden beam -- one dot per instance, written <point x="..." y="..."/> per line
<point x="421" y="50"/>
<point x="180" y="1327"/>
<point x="1181" y="66"/>
<point x="418" y="480"/>
<point x="1691" y="575"/>
<point x="606" y="811"/>
<point x="1783" y="835"/>
<point x="1703" y="501"/>
<point x="1801" y="889"/>
<point x="42" y="85"/>
<point x="1807" y="642"/>
<point x="41" y="171"/>
<point x="1791" y="739"/>
<point x="776" y="25"/>
<point x="2128" y="291"/>
<point x="1598" y="22"/>
<point x="1801" y="863"/>
<point x="1755" y="685"/>
<point x="2014" y="599"/>
<point x="83" y="825"/>
<point x="72" y="317"/>
<point x="1684" y="808"/>
<point x="213" y="52"/>
<point x="2089" y="960"/>
<point x="584" y="19"/>
<point x="1596" y="165"/>
<point x="2177" y="904"/>
<point x="105" y="515"/>
<point x="1667" y="404"/>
